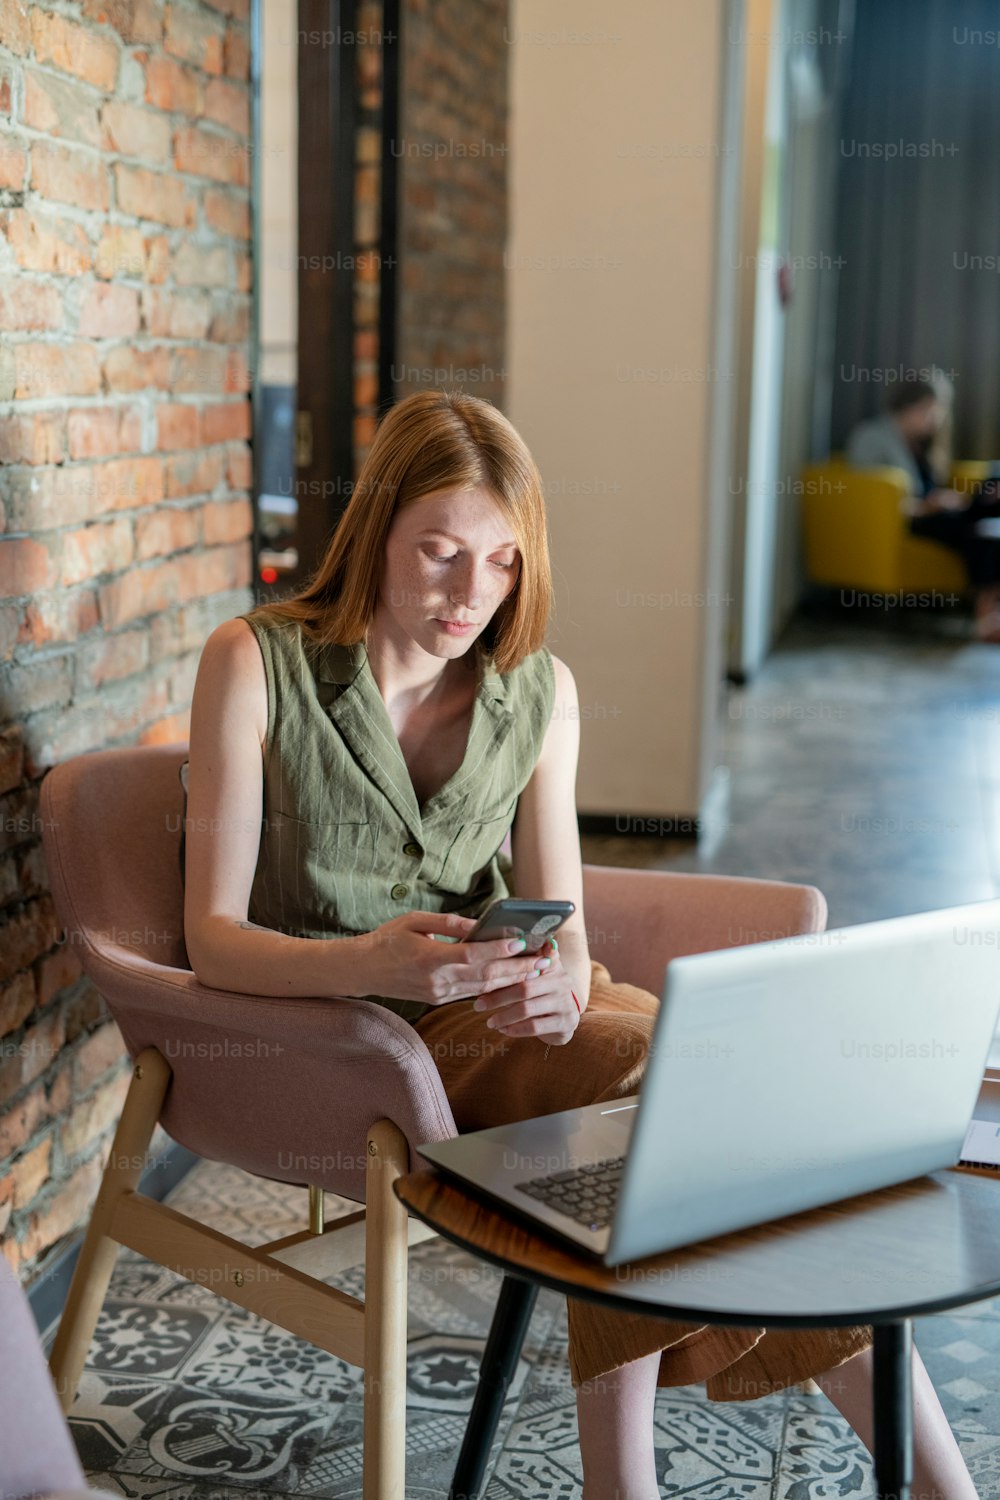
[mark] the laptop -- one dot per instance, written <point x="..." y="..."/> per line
<point x="782" y="1075"/>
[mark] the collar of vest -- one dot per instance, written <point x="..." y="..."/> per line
<point x="341" y="664"/>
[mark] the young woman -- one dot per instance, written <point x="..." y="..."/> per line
<point x="358" y="753"/>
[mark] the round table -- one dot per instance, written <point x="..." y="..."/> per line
<point x="879" y="1258"/>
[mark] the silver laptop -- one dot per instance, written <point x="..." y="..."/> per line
<point x="782" y="1075"/>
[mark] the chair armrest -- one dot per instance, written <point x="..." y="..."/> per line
<point x="638" y="920"/>
<point x="284" y="1086"/>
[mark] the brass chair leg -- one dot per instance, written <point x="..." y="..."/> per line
<point x="317" y="1210"/>
<point x="150" y="1078"/>
<point x="385" y="1317"/>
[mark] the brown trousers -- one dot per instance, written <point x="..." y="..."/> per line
<point x="495" y="1080"/>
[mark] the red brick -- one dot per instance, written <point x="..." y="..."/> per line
<point x="11" y="758"/>
<point x="84" y="1011"/>
<point x="177" y="426"/>
<point x="157" y="258"/>
<point x="194" y="37"/>
<point x="21" y="823"/>
<point x="159" y="196"/>
<point x="39" y="1046"/>
<point x="29" y="306"/>
<point x="160" y="533"/>
<point x="101" y="1051"/>
<point x="102" y="431"/>
<point x="15" y="29"/>
<point x="70" y="369"/>
<point x="237" y="378"/>
<point x="68" y="176"/>
<point x="28" y="1175"/>
<point x="206" y="153"/>
<point x="129" y="369"/>
<point x="58" y="106"/>
<point x="224" y="421"/>
<point x="13" y="162"/>
<point x="42" y="242"/>
<point x="17" y="1001"/>
<point x="68" y="1210"/>
<point x="231" y="323"/>
<point x="135" y="131"/>
<point x="120" y="252"/>
<point x="32" y="438"/>
<point x="104" y="547"/>
<point x="236" y="53"/>
<point x="228" y="104"/>
<point x="111" y="717"/>
<point x="19" y="1124"/>
<point x="193" y="474"/>
<point x="75" y="49"/>
<point x="227" y="520"/>
<point x="244" y="273"/>
<point x="111" y="657"/>
<point x="228" y="214"/>
<point x="41" y="499"/>
<point x="59" y="617"/>
<point x="238" y="9"/>
<point x="194" y="265"/>
<point x="134" y="20"/>
<point x="109" y="311"/>
<point x="56" y="971"/>
<point x="199" y="370"/>
<point x="172" y="86"/>
<point x="176" y="315"/>
<point x="239" y="467"/>
<point x="6" y="89"/>
<point x="95" y="1116"/>
<point x="10" y="628"/>
<point x="167" y="731"/>
<point x="26" y="565"/>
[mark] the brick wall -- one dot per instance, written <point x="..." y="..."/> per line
<point x="124" y="425"/>
<point x="452" y="159"/>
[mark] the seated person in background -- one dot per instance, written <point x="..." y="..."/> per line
<point x="905" y="436"/>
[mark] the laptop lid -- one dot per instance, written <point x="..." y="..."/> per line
<point x="792" y="1073"/>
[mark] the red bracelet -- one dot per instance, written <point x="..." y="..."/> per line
<point x="576" y="1002"/>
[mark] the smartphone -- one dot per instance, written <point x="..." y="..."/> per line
<point x="513" y="917"/>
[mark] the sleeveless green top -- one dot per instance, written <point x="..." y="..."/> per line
<point x="344" y="845"/>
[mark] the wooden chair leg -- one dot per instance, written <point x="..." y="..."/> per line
<point x="150" y="1078"/>
<point x="385" y="1317"/>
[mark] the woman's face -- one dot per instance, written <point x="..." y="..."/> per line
<point x="449" y="557"/>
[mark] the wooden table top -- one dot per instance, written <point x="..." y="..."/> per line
<point x="917" y="1248"/>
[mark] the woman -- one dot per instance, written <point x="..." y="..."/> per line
<point x="912" y="434"/>
<point x="380" y="729"/>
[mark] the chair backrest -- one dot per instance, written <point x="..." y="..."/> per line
<point x="111" y="831"/>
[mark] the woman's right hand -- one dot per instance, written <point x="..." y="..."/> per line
<point x="403" y="960"/>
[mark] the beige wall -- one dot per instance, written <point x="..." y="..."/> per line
<point x="614" y="371"/>
<point x="279" y="193"/>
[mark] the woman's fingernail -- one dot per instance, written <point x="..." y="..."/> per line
<point x="543" y="963"/>
<point x="517" y="946"/>
<point x="479" y="1004"/>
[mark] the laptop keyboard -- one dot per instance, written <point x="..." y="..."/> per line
<point x="586" y="1195"/>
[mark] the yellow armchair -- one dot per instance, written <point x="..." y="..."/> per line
<point x="856" y="535"/>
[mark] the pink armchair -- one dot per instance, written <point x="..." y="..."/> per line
<point x="332" y="1094"/>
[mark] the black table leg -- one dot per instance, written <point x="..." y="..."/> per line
<point x="893" y="1393"/>
<point x="503" y="1349"/>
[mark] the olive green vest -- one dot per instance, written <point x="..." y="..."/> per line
<point x="344" y="844"/>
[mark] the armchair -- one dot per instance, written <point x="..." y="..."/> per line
<point x="334" y="1095"/>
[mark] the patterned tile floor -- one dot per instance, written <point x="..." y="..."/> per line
<point x="861" y="761"/>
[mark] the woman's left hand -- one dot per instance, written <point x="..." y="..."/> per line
<point x="541" y="1007"/>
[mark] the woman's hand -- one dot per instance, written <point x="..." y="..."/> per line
<point x="541" y="1007"/>
<point x="403" y="959"/>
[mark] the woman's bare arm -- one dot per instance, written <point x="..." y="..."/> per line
<point x="225" y="800"/>
<point x="545" y="838"/>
